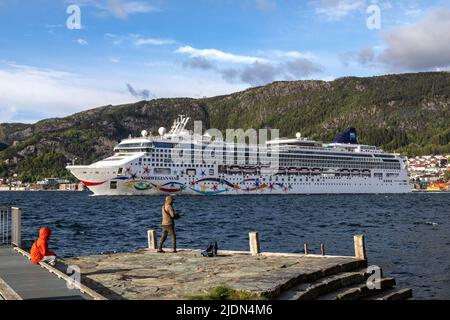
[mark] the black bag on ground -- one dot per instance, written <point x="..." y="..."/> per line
<point x="211" y="251"/>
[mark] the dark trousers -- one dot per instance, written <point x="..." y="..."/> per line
<point x="166" y="231"/>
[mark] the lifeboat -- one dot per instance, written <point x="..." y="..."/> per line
<point x="304" y="171"/>
<point x="293" y="171"/>
<point x="235" y="170"/>
<point x="266" y="170"/>
<point x="249" y="170"/>
<point x="366" y="173"/>
<point x="316" y="171"/>
<point x="345" y="172"/>
<point x="356" y="172"/>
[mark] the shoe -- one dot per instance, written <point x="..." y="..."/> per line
<point x="160" y="251"/>
<point x="174" y="251"/>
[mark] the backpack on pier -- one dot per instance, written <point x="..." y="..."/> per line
<point x="211" y="251"/>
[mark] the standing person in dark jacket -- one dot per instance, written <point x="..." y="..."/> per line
<point x="168" y="224"/>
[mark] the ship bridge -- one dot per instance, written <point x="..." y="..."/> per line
<point x="134" y="146"/>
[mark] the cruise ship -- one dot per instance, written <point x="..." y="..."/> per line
<point x="147" y="165"/>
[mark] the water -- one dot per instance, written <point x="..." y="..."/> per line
<point x="407" y="235"/>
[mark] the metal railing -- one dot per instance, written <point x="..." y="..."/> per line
<point x="10" y="226"/>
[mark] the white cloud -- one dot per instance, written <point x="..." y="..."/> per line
<point x="82" y="42"/>
<point x="121" y="9"/>
<point x="114" y="60"/>
<point x="290" y="65"/>
<point x="337" y="9"/>
<point x="294" y="54"/>
<point x="217" y="55"/>
<point x="137" y="40"/>
<point x="152" y="41"/>
<point x="187" y="85"/>
<point x="28" y="92"/>
<point x="424" y="45"/>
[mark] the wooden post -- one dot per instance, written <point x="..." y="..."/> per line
<point x="360" y="247"/>
<point x="16" y="226"/>
<point x="255" y="248"/>
<point x="322" y="249"/>
<point x="305" y="246"/>
<point x="152" y="241"/>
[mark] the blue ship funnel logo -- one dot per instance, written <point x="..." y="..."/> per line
<point x="349" y="136"/>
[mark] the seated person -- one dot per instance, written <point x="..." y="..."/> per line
<point x="39" y="250"/>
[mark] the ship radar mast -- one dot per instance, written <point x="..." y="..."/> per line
<point x="179" y="125"/>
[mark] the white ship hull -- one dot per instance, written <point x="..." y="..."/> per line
<point x="239" y="185"/>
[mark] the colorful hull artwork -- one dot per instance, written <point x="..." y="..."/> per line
<point x="144" y="185"/>
<point x="205" y="186"/>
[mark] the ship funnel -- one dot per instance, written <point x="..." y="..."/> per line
<point x="349" y="136"/>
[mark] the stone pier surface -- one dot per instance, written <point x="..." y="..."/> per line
<point x="146" y="274"/>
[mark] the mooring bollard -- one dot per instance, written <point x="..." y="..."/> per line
<point x="255" y="248"/>
<point x="16" y="224"/>
<point x="322" y="249"/>
<point x="360" y="247"/>
<point x="152" y="241"/>
<point x="305" y="246"/>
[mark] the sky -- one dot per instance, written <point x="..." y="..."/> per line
<point x="59" y="57"/>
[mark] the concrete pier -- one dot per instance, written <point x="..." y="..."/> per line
<point x="146" y="274"/>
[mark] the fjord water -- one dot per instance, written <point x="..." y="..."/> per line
<point x="407" y="235"/>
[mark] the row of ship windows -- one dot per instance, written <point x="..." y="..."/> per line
<point x="320" y="184"/>
<point x="268" y="158"/>
<point x="177" y="165"/>
<point x="339" y="164"/>
<point x="277" y="179"/>
<point x="281" y="151"/>
<point x="298" y="164"/>
<point x="167" y="153"/>
<point x="347" y="166"/>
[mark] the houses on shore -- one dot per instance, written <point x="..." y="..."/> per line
<point x="431" y="173"/>
<point x="48" y="184"/>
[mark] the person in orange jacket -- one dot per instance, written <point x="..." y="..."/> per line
<point x="39" y="250"/>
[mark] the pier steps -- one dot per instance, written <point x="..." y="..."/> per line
<point x="361" y="291"/>
<point x="393" y="294"/>
<point x="346" y="285"/>
<point x="308" y="291"/>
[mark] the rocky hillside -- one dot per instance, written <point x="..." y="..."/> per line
<point x="409" y="113"/>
